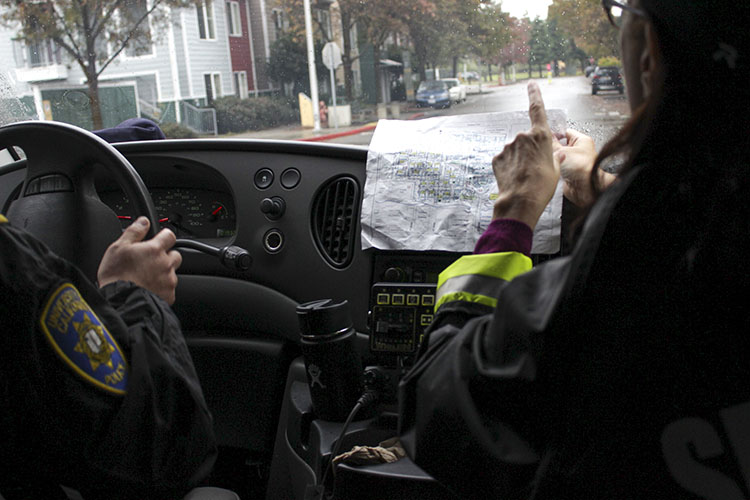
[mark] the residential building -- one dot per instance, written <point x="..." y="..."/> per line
<point x="202" y="52"/>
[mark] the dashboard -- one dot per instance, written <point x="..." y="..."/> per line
<point x="295" y="208"/>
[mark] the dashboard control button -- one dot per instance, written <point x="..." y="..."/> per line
<point x="273" y="207"/>
<point x="425" y="319"/>
<point x="397" y="299"/>
<point x="428" y="300"/>
<point x="263" y="178"/>
<point x="412" y="300"/>
<point x="394" y="274"/>
<point x="290" y="178"/>
<point x="383" y="299"/>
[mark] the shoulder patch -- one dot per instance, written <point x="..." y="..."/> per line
<point x="82" y="341"/>
<point x="3" y="219"/>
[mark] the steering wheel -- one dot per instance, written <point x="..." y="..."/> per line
<point x="58" y="203"/>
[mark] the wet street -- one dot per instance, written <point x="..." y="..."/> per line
<point x="599" y="116"/>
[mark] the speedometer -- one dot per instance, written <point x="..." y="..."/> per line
<point x="182" y="211"/>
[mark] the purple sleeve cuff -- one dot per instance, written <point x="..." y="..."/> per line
<point x="505" y="235"/>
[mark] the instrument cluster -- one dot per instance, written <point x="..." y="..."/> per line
<point x="189" y="212"/>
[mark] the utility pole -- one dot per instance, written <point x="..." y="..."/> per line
<point x="311" y="66"/>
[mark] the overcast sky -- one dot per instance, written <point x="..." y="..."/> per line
<point x="519" y="8"/>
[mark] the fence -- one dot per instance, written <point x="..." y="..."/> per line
<point x="149" y="110"/>
<point x="199" y="120"/>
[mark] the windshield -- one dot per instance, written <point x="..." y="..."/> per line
<point x="432" y="85"/>
<point x="273" y="69"/>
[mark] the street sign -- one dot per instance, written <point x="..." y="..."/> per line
<point x="331" y="55"/>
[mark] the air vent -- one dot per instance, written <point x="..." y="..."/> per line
<point x="334" y="220"/>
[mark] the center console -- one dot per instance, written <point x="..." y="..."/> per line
<point x="401" y="305"/>
<point x="303" y="449"/>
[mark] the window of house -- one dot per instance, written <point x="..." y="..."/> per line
<point x="212" y="81"/>
<point x="216" y="78"/>
<point x="324" y="20"/>
<point x="36" y="54"/>
<point x="140" y="41"/>
<point x="234" y="21"/>
<point x="206" y="28"/>
<point x="280" y="22"/>
<point x="240" y="84"/>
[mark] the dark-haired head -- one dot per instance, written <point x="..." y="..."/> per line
<point x="692" y="119"/>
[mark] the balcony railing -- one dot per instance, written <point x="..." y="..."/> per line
<point x="38" y="61"/>
<point x="200" y="120"/>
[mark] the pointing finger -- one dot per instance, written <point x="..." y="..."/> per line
<point x="536" y="106"/>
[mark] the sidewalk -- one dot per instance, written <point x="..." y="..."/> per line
<point x="295" y="132"/>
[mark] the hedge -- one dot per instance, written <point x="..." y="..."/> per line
<point x="256" y="113"/>
<point x="176" y="131"/>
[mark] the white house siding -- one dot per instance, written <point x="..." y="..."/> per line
<point x="7" y="58"/>
<point x="260" y="29"/>
<point x="207" y="56"/>
<point x="179" y="48"/>
<point x="153" y="73"/>
<point x="9" y="63"/>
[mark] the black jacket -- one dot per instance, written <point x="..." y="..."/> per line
<point x="97" y="388"/>
<point x="620" y="371"/>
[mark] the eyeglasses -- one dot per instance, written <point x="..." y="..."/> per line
<point x="614" y="9"/>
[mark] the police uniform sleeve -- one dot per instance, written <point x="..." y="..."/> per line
<point x="164" y="402"/>
<point x="445" y="431"/>
<point x="100" y="390"/>
<point x="475" y="410"/>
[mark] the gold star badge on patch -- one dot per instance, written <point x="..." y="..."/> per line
<point x="93" y="343"/>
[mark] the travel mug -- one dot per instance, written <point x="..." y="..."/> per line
<point x="333" y="366"/>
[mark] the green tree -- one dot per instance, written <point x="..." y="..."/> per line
<point x="287" y="63"/>
<point x="350" y="12"/>
<point x="92" y="33"/>
<point x="422" y="21"/>
<point x="489" y="32"/>
<point x="376" y="28"/>
<point x="559" y="45"/>
<point x="373" y="17"/>
<point x="584" y="22"/>
<point x="539" y="45"/>
<point x="517" y="50"/>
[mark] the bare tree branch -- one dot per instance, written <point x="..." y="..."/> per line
<point x="72" y="47"/>
<point x="105" y="19"/>
<point x="73" y="51"/>
<point x="124" y="42"/>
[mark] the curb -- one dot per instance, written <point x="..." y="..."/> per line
<point x="364" y="128"/>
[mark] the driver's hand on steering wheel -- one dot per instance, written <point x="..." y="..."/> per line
<point x="149" y="264"/>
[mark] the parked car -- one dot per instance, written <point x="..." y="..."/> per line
<point x="434" y="93"/>
<point x="469" y="76"/>
<point x="607" y="77"/>
<point x="456" y="89"/>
